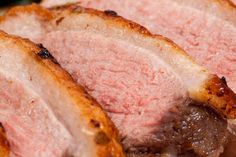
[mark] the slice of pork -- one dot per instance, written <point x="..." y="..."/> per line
<point x="43" y="112"/>
<point x="191" y="33"/>
<point x="205" y="29"/>
<point x="154" y="93"/>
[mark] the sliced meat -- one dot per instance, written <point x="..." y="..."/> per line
<point x="205" y="29"/>
<point x="43" y="112"/>
<point x="147" y="85"/>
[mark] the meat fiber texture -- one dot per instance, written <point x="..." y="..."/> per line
<point x="139" y="78"/>
<point x="43" y="113"/>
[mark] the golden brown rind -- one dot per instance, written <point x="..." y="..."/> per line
<point x="4" y="145"/>
<point x="41" y="12"/>
<point x="219" y="96"/>
<point x="90" y="110"/>
<point x="228" y="4"/>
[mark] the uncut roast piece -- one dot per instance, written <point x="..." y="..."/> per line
<point x="43" y="113"/>
<point x="160" y="100"/>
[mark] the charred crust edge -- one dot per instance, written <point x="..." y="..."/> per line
<point x="101" y="138"/>
<point x="223" y="79"/>
<point x="1" y="127"/>
<point x="4" y="144"/>
<point x="110" y="13"/>
<point x="95" y="123"/>
<point x="221" y="97"/>
<point x="45" y="54"/>
<point x="58" y="21"/>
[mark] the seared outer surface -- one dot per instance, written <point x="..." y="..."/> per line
<point x="216" y="92"/>
<point x="4" y="145"/>
<point x="106" y="136"/>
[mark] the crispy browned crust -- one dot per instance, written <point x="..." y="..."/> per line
<point x="4" y="145"/>
<point x="44" y="14"/>
<point x="224" y="104"/>
<point x="226" y="3"/>
<point x="106" y="135"/>
<point x="217" y="94"/>
<point x="229" y="2"/>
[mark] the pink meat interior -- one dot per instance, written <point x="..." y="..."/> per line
<point x="134" y="86"/>
<point x="31" y="128"/>
<point x="209" y="40"/>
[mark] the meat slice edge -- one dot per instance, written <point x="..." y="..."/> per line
<point x="4" y="144"/>
<point x="35" y="67"/>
